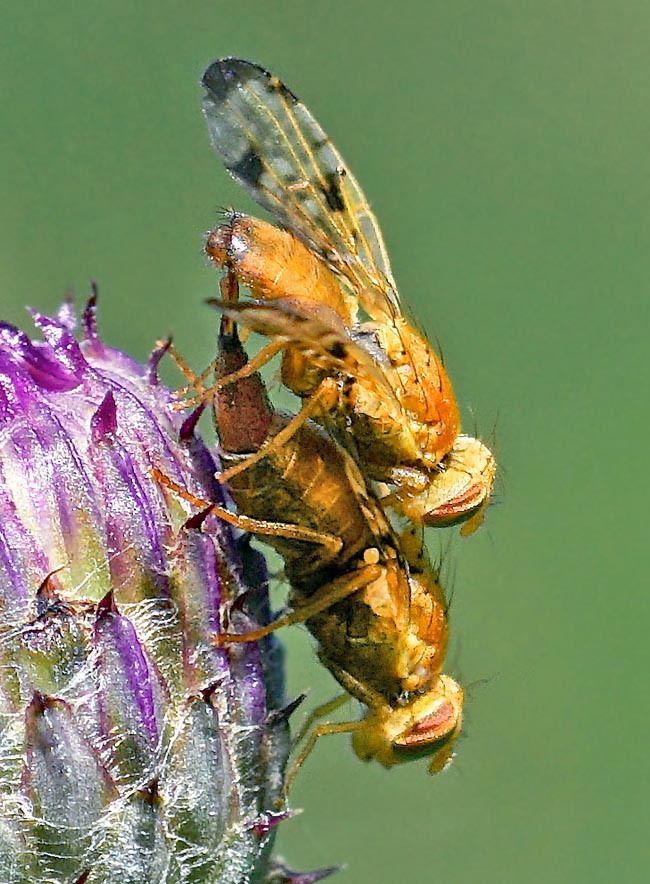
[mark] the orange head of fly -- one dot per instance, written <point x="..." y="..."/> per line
<point x="427" y="726"/>
<point x="458" y="491"/>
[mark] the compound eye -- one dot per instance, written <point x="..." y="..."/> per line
<point x="430" y="735"/>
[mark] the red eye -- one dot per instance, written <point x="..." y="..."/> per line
<point x="430" y="730"/>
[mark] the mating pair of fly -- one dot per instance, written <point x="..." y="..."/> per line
<point x="343" y="488"/>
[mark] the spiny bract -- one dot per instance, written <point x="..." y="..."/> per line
<point x="131" y="748"/>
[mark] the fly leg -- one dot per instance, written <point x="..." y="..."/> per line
<point x="317" y="402"/>
<point x="196" y="384"/>
<point x="353" y="688"/>
<point x="253" y="526"/>
<point x="321" y="730"/>
<point x="207" y="394"/>
<point x="319" y="712"/>
<point x="243" y="413"/>
<point x="321" y="600"/>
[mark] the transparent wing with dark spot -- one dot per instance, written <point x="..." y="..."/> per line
<point x="273" y="146"/>
<point x="330" y="346"/>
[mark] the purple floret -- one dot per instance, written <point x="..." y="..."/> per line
<point x="112" y="588"/>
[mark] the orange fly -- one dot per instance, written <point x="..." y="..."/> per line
<point x="327" y="299"/>
<point x="370" y="598"/>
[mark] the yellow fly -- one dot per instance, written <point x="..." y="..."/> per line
<point x="326" y="297"/>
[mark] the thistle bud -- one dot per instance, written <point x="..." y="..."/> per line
<point x="132" y="748"/>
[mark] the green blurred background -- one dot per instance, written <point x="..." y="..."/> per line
<point x="505" y="146"/>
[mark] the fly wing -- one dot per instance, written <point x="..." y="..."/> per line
<point x="328" y="345"/>
<point x="272" y="145"/>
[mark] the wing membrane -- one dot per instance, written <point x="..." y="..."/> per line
<point x="273" y="146"/>
<point x="328" y="345"/>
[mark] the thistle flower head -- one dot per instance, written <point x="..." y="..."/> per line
<point x="131" y="748"/>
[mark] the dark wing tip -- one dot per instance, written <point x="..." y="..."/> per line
<point x="225" y="74"/>
<point x="229" y="73"/>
